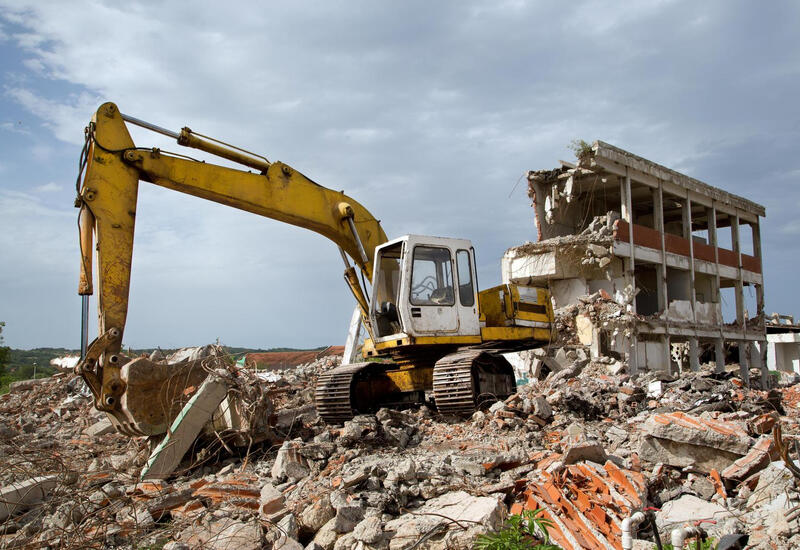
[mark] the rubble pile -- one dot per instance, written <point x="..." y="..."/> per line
<point x="583" y="442"/>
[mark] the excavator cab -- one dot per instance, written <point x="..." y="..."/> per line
<point x="424" y="287"/>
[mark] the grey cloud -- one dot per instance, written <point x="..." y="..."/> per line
<point x="427" y="113"/>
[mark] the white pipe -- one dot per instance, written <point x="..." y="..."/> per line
<point x="679" y="534"/>
<point x="628" y="526"/>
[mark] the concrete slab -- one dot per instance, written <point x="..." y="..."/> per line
<point x="689" y="509"/>
<point x="102" y="427"/>
<point x="187" y="425"/>
<point x="683" y="440"/>
<point x="757" y="459"/>
<point x="19" y="496"/>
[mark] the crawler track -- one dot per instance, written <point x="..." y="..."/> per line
<point x="465" y="380"/>
<point x="333" y="393"/>
<point x="454" y="384"/>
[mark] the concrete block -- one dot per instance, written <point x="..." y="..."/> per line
<point x="271" y="501"/>
<point x="585" y="450"/>
<point x="447" y="512"/>
<point x="689" y="509"/>
<point x="187" y="425"/>
<point x="102" y="427"/>
<point x="290" y="463"/>
<point x="757" y="459"/>
<point x="19" y="496"/>
<point x="683" y="440"/>
<point x="318" y="514"/>
<point x="696" y="430"/>
<point x="584" y="329"/>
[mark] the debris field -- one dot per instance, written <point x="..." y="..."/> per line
<point x="581" y="441"/>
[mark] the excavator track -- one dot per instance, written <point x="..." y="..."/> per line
<point x="333" y="394"/>
<point x="465" y="380"/>
<point x="363" y="388"/>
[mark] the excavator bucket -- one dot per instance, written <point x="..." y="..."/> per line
<point x="155" y="392"/>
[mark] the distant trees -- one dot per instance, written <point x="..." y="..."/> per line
<point x="4" y="351"/>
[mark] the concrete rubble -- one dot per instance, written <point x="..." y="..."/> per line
<point x="582" y="440"/>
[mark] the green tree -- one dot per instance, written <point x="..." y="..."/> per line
<point x="4" y="351"/>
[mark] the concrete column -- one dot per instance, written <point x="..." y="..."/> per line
<point x="756" y="228"/>
<point x="687" y="232"/>
<point x="757" y="252"/>
<point x="667" y="356"/>
<point x="739" y="280"/>
<point x="711" y="214"/>
<point x="658" y="223"/>
<point x="744" y="361"/>
<point x="663" y="267"/>
<point x="694" y="354"/>
<point x="625" y="199"/>
<point x="772" y="358"/>
<point x="757" y="362"/>
<point x="633" y="354"/>
<point x="713" y="240"/>
<point x="719" y="355"/>
<point x="626" y="207"/>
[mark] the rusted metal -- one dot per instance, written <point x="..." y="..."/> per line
<point x="784" y="449"/>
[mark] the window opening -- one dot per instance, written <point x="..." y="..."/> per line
<point x="466" y="291"/>
<point x="432" y="277"/>
<point x="387" y="291"/>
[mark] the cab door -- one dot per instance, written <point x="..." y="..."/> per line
<point x="432" y="292"/>
<point x="467" y="299"/>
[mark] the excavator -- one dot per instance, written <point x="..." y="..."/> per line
<point x="430" y="331"/>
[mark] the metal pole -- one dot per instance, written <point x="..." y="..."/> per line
<point x="149" y="126"/>
<point x="344" y="257"/>
<point x="361" y="250"/>
<point x="84" y="325"/>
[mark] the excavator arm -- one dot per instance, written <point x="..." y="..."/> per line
<point x="107" y="199"/>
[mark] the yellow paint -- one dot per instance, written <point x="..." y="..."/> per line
<point x="412" y="379"/>
<point x="515" y="333"/>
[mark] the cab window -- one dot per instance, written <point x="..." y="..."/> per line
<point x="466" y="291"/>
<point x="432" y="277"/>
<point x="387" y="290"/>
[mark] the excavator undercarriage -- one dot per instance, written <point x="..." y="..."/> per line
<point x="459" y="383"/>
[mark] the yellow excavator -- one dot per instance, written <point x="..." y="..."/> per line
<point x="430" y="330"/>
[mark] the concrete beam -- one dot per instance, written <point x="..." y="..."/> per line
<point x="647" y="171"/>
<point x="184" y="430"/>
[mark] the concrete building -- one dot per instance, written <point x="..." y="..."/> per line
<point x="783" y="343"/>
<point x="682" y="256"/>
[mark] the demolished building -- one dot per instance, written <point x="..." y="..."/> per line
<point x="671" y="249"/>
<point x="783" y="343"/>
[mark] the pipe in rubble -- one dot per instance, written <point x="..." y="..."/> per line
<point x="679" y="534"/>
<point x="629" y="525"/>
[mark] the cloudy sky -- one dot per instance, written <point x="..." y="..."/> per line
<point x="428" y="113"/>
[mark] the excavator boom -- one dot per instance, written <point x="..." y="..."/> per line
<point x="107" y="200"/>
